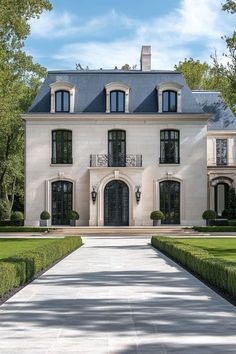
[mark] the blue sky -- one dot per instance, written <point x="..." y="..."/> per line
<point x="109" y="33"/>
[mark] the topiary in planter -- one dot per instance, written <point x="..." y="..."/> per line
<point x="209" y="215"/>
<point x="17" y="216"/>
<point x="44" y="217"/>
<point x="156" y="216"/>
<point x="73" y="216"/>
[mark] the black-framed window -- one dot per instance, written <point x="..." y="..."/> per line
<point x="62" y="101"/>
<point x="117" y="101"/>
<point x="62" y="202"/>
<point x="169" y="101"/>
<point x="221" y="151"/>
<point x="116" y="148"/>
<point x="62" y="147"/>
<point x="170" y="201"/>
<point x="169" y="146"/>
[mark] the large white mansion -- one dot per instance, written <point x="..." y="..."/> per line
<point x="115" y="145"/>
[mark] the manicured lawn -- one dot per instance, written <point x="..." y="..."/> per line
<point x="223" y="248"/>
<point x="11" y="247"/>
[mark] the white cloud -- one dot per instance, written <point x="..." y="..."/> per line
<point x="98" y="42"/>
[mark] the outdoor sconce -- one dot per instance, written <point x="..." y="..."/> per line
<point x="138" y="194"/>
<point x="94" y="195"/>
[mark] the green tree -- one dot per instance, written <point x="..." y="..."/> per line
<point x="126" y="67"/>
<point x="195" y="72"/>
<point x="19" y="81"/>
<point x="229" y="6"/>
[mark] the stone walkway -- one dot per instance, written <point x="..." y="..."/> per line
<point x="117" y="296"/>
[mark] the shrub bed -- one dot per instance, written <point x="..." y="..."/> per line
<point x="216" y="271"/>
<point x="12" y="223"/>
<point x="19" y="269"/>
<point x="215" y="228"/>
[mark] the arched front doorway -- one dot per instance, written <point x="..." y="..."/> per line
<point x="170" y="201"/>
<point x="62" y="202"/>
<point x="116" y="204"/>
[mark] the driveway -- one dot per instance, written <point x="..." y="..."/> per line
<point x="117" y="295"/>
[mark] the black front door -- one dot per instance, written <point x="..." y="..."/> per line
<point x="61" y="202"/>
<point x="116" y="148"/>
<point x="170" y="201"/>
<point x="116" y="204"/>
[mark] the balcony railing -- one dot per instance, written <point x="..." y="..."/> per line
<point x="103" y="160"/>
<point x="221" y="163"/>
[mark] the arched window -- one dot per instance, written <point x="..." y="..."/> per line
<point x="170" y="201"/>
<point x="116" y="148"/>
<point x="221" y="195"/>
<point x="169" y="146"/>
<point x="61" y="147"/>
<point x="62" y="103"/>
<point x="117" y="101"/>
<point x="169" y="101"/>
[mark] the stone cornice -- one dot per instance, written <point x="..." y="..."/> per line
<point x="104" y="117"/>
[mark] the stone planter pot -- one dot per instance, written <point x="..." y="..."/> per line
<point x="72" y="222"/>
<point x="156" y="222"/>
<point x="44" y="223"/>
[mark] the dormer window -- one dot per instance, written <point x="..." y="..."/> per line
<point x="62" y="97"/>
<point x="117" y="97"/>
<point x="169" y="101"/>
<point x="62" y="101"/>
<point x="117" y="103"/>
<point x="169" y="97"/>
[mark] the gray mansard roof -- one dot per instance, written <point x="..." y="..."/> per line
<point x="211" y="102"/>
<point x="90" y="90"/>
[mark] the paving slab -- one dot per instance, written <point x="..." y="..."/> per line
<point x="117" y="296"/>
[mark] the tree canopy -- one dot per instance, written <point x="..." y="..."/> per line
<point x="19" y="81"/>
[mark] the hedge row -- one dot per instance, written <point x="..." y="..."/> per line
<point x="22" y="229"/>
<point x="215" y="228"/>
<point x="213" y="270"/>
<point x="19" y="269"/>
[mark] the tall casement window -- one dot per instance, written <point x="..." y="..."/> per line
<point x="221" y="195"/>
<point x="62" y="202"/>
<point x="117" y="101"/>
<point x="62" y="101"/>
<point x="169" y="101"/>
<point x="170" y="201"/>
<point x="221" y="151"/>
<point x="169" y="147"/>
<point x="116" y="148"/>
<point x="62" y="147"/>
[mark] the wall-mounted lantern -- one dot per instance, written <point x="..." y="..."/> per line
<point x="94" y="195"/>
<point x="138" y="194"/>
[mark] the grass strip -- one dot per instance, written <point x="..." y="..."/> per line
<point x="214" y="270"/>
<point x="23" y="267"/>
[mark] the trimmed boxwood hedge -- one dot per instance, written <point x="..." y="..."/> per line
<point x="22" y="229"/>
<point x="19" y="269"/>
<point x="215" y="228"/>
<point x="215" y="271"/>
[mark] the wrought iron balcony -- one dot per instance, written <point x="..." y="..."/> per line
<point x="115" y="161"/>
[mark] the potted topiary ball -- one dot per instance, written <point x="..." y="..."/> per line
<point x="44" y="217"/>
<point x="73" y="216"/>
<point x="156" y="216"/>
<point x="209" y="215"/>
<point x="17" y="218"/>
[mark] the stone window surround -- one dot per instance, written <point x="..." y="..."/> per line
<point x="165" y="86"/>
<point x="117" y="86"/>
<point x="65" y="86"/>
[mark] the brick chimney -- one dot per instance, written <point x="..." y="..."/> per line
<point x="145" y="60"/>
